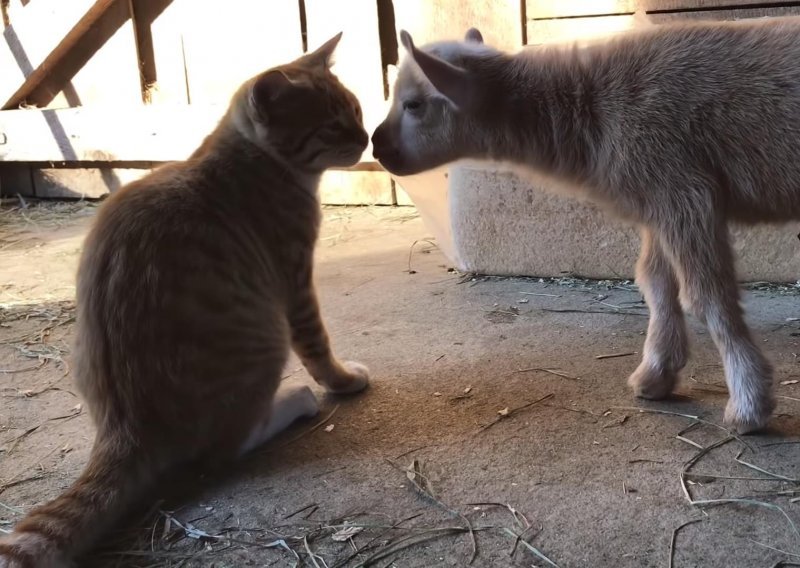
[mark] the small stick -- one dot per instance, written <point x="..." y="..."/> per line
<point x="784" y="552"/>
<point x="674" y="538"/>
<point x="530" y="547"/>
<point x="694" y="460"/>
<point x="411" y="474"/>
<point x="543" y="370"/>
<point x="412" y="450"/>
<point x="736" y="477"/>
<point x="411" y="251"/>
<point x="298" y="511"/>
<point x="615" y="355"/>
<point x="780" y="443"/>
<point x="691" y="417"/>
<point x="539" y="294"/>
<point x="512" y="412"/>
<point x="574" y="311"/>
<point x="788" y="397"/>
<point x="312" y="555"/>
<point x="41" y="364"/>
<point x="753" y="502"/>
<point x="366" y="546"/>
<point x="519" y="538"/>
<point x="764" y="471"/>
<point x="316" y="426"/>
<point x="690" y="442"/>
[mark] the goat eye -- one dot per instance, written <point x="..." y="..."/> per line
<point x="413" y="104"/>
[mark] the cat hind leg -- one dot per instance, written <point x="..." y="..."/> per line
<point x="289" y="404"/>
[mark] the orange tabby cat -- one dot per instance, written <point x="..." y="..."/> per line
<point x="193" y="284"/>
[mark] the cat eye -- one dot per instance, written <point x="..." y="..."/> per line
<point x="412" y="105"/>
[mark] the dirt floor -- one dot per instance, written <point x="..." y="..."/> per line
<point x="493" y="427"/>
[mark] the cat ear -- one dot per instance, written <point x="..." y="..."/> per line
<point x="324" y="53"/>
<point x="474" y="35"/>
<point x="453" y="82"/>
<point x="269" y="87"/>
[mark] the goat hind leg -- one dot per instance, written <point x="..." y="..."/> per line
<point x="701" y="254"/>
<point x="666" y="346"/>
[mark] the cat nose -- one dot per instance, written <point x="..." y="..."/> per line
<point x="362" y="138"/>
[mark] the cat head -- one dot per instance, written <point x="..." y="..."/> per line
<point x="301" y="113"/>
<point x="441" y="90"/>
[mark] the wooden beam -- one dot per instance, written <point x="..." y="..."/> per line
<point x="671" y="5"/>
<point x="544" y="9"/>
<point x="574" y="29"/>
<point x="500" y="21"/>
<point x="736" y="14"/>
<point x="547" y="9"/>
<point x="82" y="183"/>
<point x="90" y="33"/>
<point x="144" y="14"/>
<point x="102" y="134"/>
<point x="151" y="133"/>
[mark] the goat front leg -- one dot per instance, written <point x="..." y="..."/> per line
<point x="666" y="346"/>
<point x="310" y="342"/>
<point x="699" y="248"/>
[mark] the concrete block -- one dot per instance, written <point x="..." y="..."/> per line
<point x="491" y="221"/>
<point x="401" y="197"/>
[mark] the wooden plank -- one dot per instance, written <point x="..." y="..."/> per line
<point x="573" y="29"/>
<point x="669" y="17"/>
<point x="15" y="179"/>
<point x="47" y="68"/>
<point x="500" y="21"/>
<point x="144" y="133"/>
<point x="82" y="183"/>
<point x="226" y="44"/>
<point x="34" y="33"/>
<point x="160" y="50"/>
<point x="141" y="133"/>
<point x="168" y="82"/>
<point x="342" y="187"/>
<point x="544" y="9"/>
<point x="547" y="9"/>
<point x="358" y="55"/>
<point x="337" y="187"/>
<point x="111" y="76"/>
<point x="663" y="5"/>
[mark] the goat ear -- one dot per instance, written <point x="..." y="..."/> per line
<point x="324" y="53"/>
<point x="473" y="35"/>
<point x="453" y="82"/>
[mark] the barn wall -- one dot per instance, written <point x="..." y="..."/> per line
<point x="97" y="92"/>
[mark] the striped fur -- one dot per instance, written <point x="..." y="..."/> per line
<point x="193" y="285"/>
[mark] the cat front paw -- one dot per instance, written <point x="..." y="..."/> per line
<point x="352" y="378"/>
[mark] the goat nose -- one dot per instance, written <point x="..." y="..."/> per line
<point x="380" y="145"/>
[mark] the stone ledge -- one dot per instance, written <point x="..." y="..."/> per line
<point x="494" y="222"/>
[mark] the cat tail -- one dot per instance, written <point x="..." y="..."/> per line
<point x="51" y="535"/>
